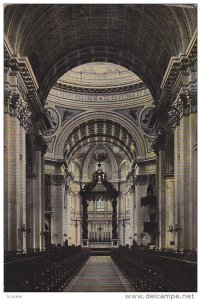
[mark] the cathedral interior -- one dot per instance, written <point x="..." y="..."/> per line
<point x="100" y="147"/>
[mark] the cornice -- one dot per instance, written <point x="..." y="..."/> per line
<point x="173" y="85"/>
<point x="180" y="63"/>
<point x="20" y="64"/>
<point x="14" y="65"/>
<point x="100" y="90"/>
<point x="94" y="101"/>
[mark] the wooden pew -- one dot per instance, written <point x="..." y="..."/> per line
<point x="49" y="272"/>
<point x="152" y="272"/>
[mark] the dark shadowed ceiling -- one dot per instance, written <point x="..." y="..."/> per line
<point x="57" y="38"/>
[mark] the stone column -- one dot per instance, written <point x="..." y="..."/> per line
<point x="169" y="211"/>
<point x="22" y="185"/>
<point x="35" y="196"/>
<point x="65" y="216"/>
<point x="43" y="151"/>
<point x="16" y="121"/>
<point x="132" y="193"/>
<point x="159" y="149"/>
<point x="131" y="216"/>
<point x="183" y="119"/>
<point x="30" y="209"/>
<point x="141" y="182"/>
<point x="10" y="209"/>
<point x="121" y="201"/>
<point x="57" y="201"/>
<point x="135" y="217"/>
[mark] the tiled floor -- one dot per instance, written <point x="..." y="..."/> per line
<point x="99" y="274"/>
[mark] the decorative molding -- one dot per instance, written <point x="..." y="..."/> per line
<point x="20" y="65"/>
<point x="144" y="121"/>
<point x="14" y="65"/>
<point x="178" y="64"/>
<point x="132" y="113"/>
<point x="179" y="75"/>
<point x="50" y="144"/>
<point x="149" y="143"/>
<point x="67" y="114"/>
<point x="100" y="90"/>
<point x="54" y="119"/>
<point x="16" y="106"/>
<point x="184" y="105"/>
<point x="24" y="115"/>
<point x="101" y="98"/>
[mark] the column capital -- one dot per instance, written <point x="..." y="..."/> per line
<point x="16" y="106"/>
<point x="185" y="104"/>
<point x="11" y="102"/>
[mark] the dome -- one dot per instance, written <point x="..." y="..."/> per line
<point x="99" y="74"/>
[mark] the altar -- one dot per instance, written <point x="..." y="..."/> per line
<point x="100" y="244"/>
<point x="99" y="211"/>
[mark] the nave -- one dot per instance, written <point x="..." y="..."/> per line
<point x="100" y="146"/>
<point x="100" y="274"/>
<point x="77" y="269"/>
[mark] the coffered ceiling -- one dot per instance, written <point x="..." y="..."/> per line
<point x="100" y="131"/>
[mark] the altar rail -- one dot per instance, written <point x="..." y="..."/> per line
<point x="47" y="272"/>
<point x="151" y="272"/>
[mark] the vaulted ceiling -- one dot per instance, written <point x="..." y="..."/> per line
<point x="57" y="38"/>
<point x="100" y="131"/>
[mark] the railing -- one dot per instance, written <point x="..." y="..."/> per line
<point x="149" y="272"/>
<point x="49" y="272"/>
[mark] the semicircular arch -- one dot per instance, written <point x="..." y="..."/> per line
<point x="112" y="117"/>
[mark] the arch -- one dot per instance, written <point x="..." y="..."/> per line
<point x="125" y="58"/>
<point x="58" y="37"/>
<point x="85" y="117"/>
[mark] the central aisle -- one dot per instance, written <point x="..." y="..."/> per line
<point x="99" y="274"/>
